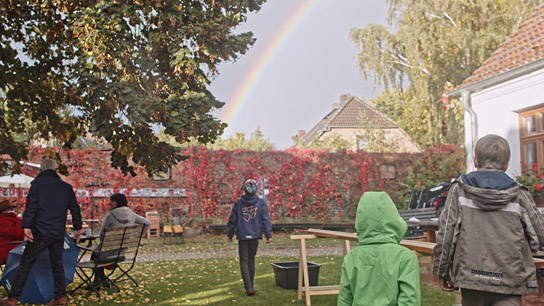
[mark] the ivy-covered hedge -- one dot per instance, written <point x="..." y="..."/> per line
<point x="304" y="184"/>
<point x="313" y="184"/>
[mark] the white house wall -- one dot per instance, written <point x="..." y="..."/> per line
<point x="496" y="112"/>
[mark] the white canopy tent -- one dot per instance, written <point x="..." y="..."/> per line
<point x="17" y="180"/>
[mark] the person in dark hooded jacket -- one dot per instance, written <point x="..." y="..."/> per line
<point x="488" y="231"/>
<point x="248" y="218"/>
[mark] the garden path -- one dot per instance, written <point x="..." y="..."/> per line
<point x="263" y="251"/>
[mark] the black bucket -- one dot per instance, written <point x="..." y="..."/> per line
<point x="286" y="274"/>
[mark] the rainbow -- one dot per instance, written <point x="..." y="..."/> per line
<point x="237" y="100"/>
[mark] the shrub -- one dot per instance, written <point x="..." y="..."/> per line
<point x="437" y="164"/>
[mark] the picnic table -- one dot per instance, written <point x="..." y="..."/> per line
<point x="423" y="247"/>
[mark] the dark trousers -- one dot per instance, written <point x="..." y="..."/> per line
<point x="247" y="249"/>
<point x="99" y="275"/>
<point x="484" y="298"/>
<point x="30" y="254"/>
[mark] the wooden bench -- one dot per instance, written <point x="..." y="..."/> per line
<point x="178" y="232"/>
<point x="175" y="231"/>
<point x="118" y="245"/>
<point x="167" y="231"/>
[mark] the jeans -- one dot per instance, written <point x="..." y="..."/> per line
<point x="30" y="254"/>
<point x="247" y="249"/>
<point x="484" y="298"/>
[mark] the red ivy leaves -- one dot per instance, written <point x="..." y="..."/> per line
<point x="301" y="182"/>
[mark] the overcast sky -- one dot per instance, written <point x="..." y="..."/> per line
<point x="310" y="69"/>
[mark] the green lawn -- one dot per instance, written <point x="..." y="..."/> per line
<point x="217" y="281"/>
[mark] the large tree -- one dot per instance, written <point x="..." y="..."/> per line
<point x="115" y="69"/>
<point x="434" y="46"/>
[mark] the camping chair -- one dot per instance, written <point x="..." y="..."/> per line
<point x="178" y="232"/>
<point x="167" y="231"/>
<point x="117" y="245"/>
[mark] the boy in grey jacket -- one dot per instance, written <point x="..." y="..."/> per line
<point x="488" y="231"/>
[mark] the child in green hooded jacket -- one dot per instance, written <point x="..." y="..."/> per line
<point x="379" y="272"/>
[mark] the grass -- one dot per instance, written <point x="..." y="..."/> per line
<point x="217" y="281"/>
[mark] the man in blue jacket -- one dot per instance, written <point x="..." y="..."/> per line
<point x="44" y="225"/>
<point x="248" y="218"/>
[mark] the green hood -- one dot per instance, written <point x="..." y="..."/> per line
<point x="378" y="220"/>
<point x="380" y="271"/>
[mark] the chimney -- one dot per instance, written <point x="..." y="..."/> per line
<point x="301" y="133"/>
<point x="335" y="105"/>
<point x="344" y="98"/>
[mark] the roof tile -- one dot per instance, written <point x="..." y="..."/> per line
<point x="522" y="47"/>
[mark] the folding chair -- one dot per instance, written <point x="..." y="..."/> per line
<point x="167" y="231"/>
<point x="178" y="232"/>
<point x="117" y="245"/>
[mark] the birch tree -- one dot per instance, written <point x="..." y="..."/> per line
<point x="428" y="48"/>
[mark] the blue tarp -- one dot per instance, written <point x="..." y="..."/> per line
<point x="39" y="285"/>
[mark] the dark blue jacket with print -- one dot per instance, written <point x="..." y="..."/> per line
<point x="248" y="218"/>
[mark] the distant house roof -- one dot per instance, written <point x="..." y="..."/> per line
<point x="521" y="48"/>
<point x="348" y="114"/>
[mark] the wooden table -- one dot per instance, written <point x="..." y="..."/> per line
<point x="423" y="247"/>
<point x="91" y="223"/>
<point x="419" y="246"/>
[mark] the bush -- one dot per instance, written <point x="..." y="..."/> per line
<point x="437" y="164"/>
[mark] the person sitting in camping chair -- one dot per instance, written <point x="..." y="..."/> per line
<point x="120" y="215"/>
<point x="10" y="229"/>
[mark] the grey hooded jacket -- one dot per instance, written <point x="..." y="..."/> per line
<point x="120" y="216"/>
<point x="123" y="216"/>
<point x="488" y="231"/>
